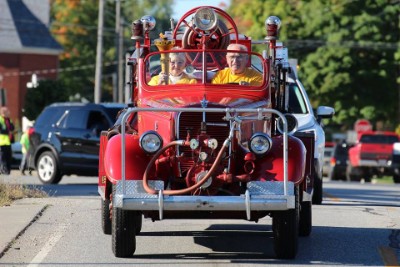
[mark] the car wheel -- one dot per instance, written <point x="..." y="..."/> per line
<point x="285" y="225"/>
<point x="305" y="221"/>
<point x="47" y="168"/>
<point x="396" y="178"/>
<point x="317" y="194"/>
<point x="105" y="216"/>
<point x="351" y="174"/>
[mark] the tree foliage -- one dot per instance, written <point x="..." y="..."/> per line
<point x="348" y="51"/>
<point x="74" y="24"/>
<point x="47" y="92"/>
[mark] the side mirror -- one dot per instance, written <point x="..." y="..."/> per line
<point x="324" y="112"/>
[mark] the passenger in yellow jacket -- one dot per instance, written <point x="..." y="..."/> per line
<point x="177" y="64"/>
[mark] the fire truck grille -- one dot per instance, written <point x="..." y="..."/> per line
<point x="191" y="121"/>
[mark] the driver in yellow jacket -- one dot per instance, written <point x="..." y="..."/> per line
<point x="238" y="72"/>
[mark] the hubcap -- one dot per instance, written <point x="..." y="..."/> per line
<point x="46" y="168"/>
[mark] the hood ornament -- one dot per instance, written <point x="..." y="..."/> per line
<point x="204" y="102"/>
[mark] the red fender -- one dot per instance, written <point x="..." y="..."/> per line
<point x="135" y="159"/>
<point x="270" y="168"/>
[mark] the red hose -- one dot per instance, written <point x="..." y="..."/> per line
<point x="186" y="190"/>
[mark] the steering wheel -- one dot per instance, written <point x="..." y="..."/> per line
<point x="195" y="38"/>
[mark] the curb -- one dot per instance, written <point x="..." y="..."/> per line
<point x="16" y="218"/>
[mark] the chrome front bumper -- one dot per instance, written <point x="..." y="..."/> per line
<point x="259" y="196"/>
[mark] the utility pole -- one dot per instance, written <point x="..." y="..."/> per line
<point x="121" y="63"/>
<point x="117" y="33"/>
<point x="99" y="54"/>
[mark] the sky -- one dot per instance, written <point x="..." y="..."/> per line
<point x="182" y="6"/>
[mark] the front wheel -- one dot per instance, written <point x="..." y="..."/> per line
<point x="305" y="222"/>
<point x="105" y="216"/>
<point x="123" y="232"/>
<point x="317" y="194"/>
<point x="47" y="168"/>
<point x="285" y="225"/>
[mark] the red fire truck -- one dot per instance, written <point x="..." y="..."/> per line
<point x="204" y="149"/>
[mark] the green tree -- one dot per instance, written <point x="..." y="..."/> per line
<point x="75" y="27"/>
<point x="348" y="51"/>
<point x="47" y="92"/>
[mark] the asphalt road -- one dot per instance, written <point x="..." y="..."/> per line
<point x="358" y="225"/>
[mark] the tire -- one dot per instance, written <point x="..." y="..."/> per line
<point x="138" y="222"/>
<point x="317" y="194"/>
<point x="105" y="216"/>
<point x="305" y="221"/>
<point x="123" y="231"/>
<point x="396" y="178"/>
<point x="285" y="225"/>
<point x="47" y="168"/>
<point x="350" y="174"/>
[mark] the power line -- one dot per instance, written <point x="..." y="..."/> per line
<point x="57" y="70"/>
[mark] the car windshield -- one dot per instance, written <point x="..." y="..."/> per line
<point x="379" y="138"/>
<point x="201" y="67"/>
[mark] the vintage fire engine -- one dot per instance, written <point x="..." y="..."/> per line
<point x="206" y="150"/>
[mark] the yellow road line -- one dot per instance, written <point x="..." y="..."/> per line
<point x="332" y="197"/>
<point x="389" y="256"/>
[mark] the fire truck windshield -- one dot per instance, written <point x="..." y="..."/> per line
<point x="205" y="67"/>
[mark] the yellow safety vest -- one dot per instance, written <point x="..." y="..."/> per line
<point x="4" y="138"/>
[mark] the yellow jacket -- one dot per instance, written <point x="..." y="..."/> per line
<point x="4" y="133"/>
<point x="184" y="80"/>
<point x="250" y="76"/>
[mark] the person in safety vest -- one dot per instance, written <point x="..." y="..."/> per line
<point x="6" y="138"/>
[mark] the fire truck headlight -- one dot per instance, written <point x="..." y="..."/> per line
<point x="260" y="143"/>
<point x="205" y="19"/>
<point x="150" y="142"/>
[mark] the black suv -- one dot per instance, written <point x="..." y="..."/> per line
<point x="66" y="139"/>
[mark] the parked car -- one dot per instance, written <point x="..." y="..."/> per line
<point x="66" y="139"/>
<point x="338" y="161"/>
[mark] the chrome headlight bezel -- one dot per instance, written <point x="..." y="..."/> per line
<point x="154" y="138"/>
<point x="257" y="139"/>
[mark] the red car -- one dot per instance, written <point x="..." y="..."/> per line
<point x="206" y="150"/>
